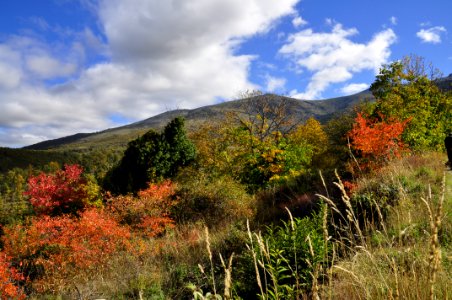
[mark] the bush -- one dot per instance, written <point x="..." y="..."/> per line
<point x="66" y="191"/>
<point x="53" y="251"/>
<point x="148" y="213"/>
<point x="290" y="256"/>
<point x="212" y="201"/>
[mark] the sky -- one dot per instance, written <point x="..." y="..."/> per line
<point x="69" y="66"/>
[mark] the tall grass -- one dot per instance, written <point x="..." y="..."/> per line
<point x="399" y="254"/>
<point x="389" y="239"/>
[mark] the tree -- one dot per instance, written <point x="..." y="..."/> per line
<point x="312" y="134"/>
<point x="65" y="191"/>
<point x="254" y="144"/>
<point x="377" y="140"/>
<point x="151" y="157"/>
<point x="407" y="90"/>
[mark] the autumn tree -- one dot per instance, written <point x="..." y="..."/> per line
<point x="406" y="90"/>
<point x="253" y="143"/>
<point x="377" y="139"/>
<point x="313" y="134"/>
<point x="65" y="191"/>
<point x="151" y="157"/>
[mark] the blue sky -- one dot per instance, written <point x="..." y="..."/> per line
<point x="69" y="66"/>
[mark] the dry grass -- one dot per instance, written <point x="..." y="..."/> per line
<point x="398" y="256"/>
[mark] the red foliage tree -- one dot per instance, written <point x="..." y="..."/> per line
<point x="8" y="277"/>
<point x="377" y="140"/>
<point x="62" y="192"/>
<point x="51" y="250"/>
<point x="149" y="213"/>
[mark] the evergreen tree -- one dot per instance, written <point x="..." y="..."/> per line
<point x="151" y="157"/>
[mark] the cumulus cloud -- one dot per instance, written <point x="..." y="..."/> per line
<point x="160" y="54"/>
<point x="333" y="57"/>
<point x="354" y="88"/>
<point x="48" y="67"/>
<point x="274" y="83"/>
<point x="298" y="22"/>
<point x="431" y="35"/>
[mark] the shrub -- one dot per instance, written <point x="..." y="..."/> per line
<point x="8" y="277"/>
<point x="149" y="212"/>
<point x="52" y="250"/>
<point x="290" y="257"/>
<point x="377" y="140"/>
<point x="212" y="201"/>
<point x="65" y="191"/>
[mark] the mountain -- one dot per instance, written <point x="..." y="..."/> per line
<point x="445" y="83"/>
<point x="322" y="110"/>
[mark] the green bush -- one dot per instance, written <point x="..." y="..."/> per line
<point x="212" y="201"/>
<point x="289" y="256"/>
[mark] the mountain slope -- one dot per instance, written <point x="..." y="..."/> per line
<point x="323" y="110"/>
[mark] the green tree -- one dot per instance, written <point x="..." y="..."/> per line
<point x="151" y="157"/>
<point x="256" y="144"/>
<point x="406" y="90"/>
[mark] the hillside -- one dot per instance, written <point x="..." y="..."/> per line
<point x="323" y="110"/>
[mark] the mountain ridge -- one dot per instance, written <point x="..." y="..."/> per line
<point x="323" y="110"/>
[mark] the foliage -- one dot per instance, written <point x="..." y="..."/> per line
<point x="52" y="250"/>
<point x="290" y="256"/>
<point x="8" y="277"/>
<point x="215" y="202"/>
<point x="404" y="90"/>
<point x="261" y="146"/>
<point x="13" y="204"/>
<point x="66" y="191"/>
<point x="377" y="140"/>
<point x="151" y="157"/>
<point x="149" y="212"/>
<point x="23" y="158"/>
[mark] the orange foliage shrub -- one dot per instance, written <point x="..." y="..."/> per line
<point x="377" y="140"/>
<point x="149" y="213"/>
<point x="8" y="276"/>
<point x="52" y="250"/>
<point x="62" y="192"/>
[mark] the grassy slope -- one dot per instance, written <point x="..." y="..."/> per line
<point x="395" y="261"/>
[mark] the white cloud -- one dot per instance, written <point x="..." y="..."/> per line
<point x="333" y="57"/>
<point x="329" y="21"/>
<point x="431" y="35"/>
<point x="393" y="20"/>
<point x="274" y="83"/>
<point x="298" y="22"/>
<point x="48" y="67"/>
<point x="160" y="54"/>
<point x="354" y="88"/>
